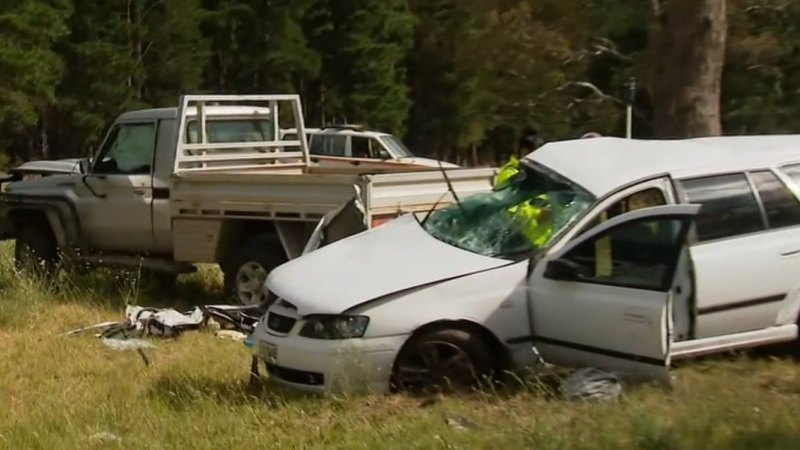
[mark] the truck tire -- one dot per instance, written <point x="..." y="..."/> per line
<point x="248" y="266"/>
<point x="36" y="251"/>
<point x="449" y="359"/>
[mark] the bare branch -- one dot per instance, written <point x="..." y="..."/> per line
<point x="591" y="87"/>
<point x="607" y="46"/>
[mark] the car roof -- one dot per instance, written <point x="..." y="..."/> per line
<point x="604" y="165"/>
<point x="172" y="113"/>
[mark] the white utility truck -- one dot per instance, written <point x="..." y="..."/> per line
<point x="210" y="181"/>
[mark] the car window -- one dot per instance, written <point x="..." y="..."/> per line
<point x="780" y="204"/>
<point x="231" y="130"/>
<point x="290" y="137"/>
<point x="398" y="149"/>
<point x="638" y="200"/>
<point x="361" y="147"/>
<point x="642" y="199"/>
<point x="128" y="150"/>
<point x="328" y="145"/>
<point x="729" y="207"/>
<point x="642" y="254"/>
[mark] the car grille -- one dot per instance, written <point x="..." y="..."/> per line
<point x="279" y="323"/>
<point x="296" y="376"/>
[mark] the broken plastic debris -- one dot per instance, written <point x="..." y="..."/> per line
<point x="122" y="345"/>
<point x="104" y="437"/>
<point x="141" y="321"/>
<point x="231" y="334"/>
<point x="591" y="384"/>
<point x="461" y="423"/>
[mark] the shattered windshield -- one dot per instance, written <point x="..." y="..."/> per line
<point x="514" y="219"/>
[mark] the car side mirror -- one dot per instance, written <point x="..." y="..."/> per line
<point x="562" y="270"/>
<point x="384" y="155"/>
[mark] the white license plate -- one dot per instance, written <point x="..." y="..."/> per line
<point x="269" y="352"/>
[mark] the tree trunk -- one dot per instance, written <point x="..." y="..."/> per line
<point x="684" y="67"/>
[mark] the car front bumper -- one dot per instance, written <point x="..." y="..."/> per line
<point x="322" y="366"/>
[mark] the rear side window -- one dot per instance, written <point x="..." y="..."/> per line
<point x="729" y="206"/>
<point x="780" y="204"/>
<point x="328" y="145"/>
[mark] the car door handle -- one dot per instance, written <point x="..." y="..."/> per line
<point x="139" y="192"/>
<point x="790" y="253"/>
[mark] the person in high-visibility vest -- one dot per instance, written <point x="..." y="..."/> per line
<point x="505" y="173"/>
<point x="535" y="218"/>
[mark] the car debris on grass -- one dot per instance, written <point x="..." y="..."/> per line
<point x="228" y="322"/>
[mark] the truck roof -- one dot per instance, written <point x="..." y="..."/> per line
<point x="604" y="165"/>
<point x="172" y="113"/>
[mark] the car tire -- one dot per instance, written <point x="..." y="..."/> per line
<point x="444" y="360"/>
<point x="36" y="251"/>
<point x="248" y="266"/>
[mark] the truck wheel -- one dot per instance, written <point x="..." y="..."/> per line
<point x="248" y="267"/>
<point x="36" y="251"/>
<point x="443" y="360"/>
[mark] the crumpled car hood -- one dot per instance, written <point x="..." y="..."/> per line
<point x="397" y="256"/>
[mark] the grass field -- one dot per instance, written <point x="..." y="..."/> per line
<point x="60" y="392"/>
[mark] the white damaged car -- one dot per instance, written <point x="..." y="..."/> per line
<point x="461" y="294"/>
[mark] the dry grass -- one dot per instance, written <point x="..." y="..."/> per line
<point x="56" y="392"/>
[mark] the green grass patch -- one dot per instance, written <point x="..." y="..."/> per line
<point x="59" y="392"/>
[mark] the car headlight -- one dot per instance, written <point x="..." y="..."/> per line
<point x="326" y="326"/>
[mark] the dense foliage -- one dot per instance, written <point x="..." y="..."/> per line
<point x="455" y="78"/>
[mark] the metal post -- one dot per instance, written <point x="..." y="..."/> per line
<point x="629" y="127"/>
<point x="630" y="97"/>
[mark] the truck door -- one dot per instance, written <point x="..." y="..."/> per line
<point x="116" y="196"/>
<point x="620" y="319"/>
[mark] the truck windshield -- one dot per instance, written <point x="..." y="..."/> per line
<point x="397" y="148"/>
<point x="231" y="130"/>
<point x="513" y="221"/>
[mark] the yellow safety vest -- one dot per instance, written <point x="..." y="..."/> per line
<point x="510" y="169"/>
<point x="602" y="249"/>
<point x="537" y="232"/>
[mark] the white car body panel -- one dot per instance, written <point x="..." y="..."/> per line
<point x="729" y="301"/>
<point x="363" y="260"/>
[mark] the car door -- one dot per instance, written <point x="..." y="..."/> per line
<point x="116" y="196"/>
<point x="619" y="320"/>
<point x="746" y="251"/>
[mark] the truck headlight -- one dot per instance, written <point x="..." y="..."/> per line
<point x="327" y="326"/>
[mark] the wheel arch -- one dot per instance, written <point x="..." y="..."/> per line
<point x="22" y="217"/>
<point x="58" y="212"/>
<point x="502" y="355"/>
<point x="236" y="233"/>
